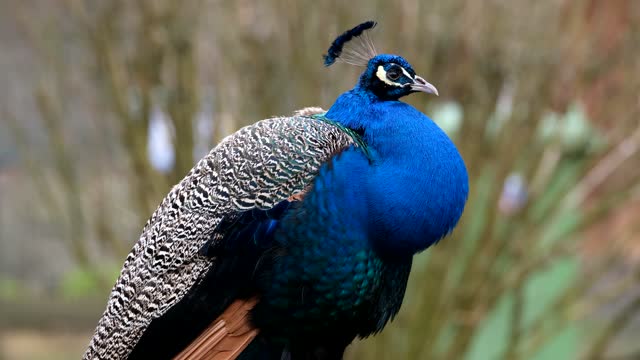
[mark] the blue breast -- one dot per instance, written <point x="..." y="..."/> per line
<point x="417" y="184"/>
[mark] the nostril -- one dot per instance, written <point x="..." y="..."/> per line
<point x="420" y="80"/>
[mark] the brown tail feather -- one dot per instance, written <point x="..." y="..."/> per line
<point x="226" y="337"/>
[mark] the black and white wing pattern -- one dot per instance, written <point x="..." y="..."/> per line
<point x="256" y="167"/>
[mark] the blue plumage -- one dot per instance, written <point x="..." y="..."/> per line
<point x="317" y="216"/>
<point x="349" y="244"/>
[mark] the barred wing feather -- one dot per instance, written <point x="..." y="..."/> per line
<point x="257" y="167"/>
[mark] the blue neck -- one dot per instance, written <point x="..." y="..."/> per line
<point x="418" y="185"/>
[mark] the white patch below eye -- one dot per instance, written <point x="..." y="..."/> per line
<point x="382" y="75"/>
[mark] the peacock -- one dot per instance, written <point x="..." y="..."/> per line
<point x="300" y="229"/>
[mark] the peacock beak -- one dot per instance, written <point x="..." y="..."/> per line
<point x="420" y="84"/>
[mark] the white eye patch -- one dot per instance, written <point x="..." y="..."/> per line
<point x="382" y="75"/>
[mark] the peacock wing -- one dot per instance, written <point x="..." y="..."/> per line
<point x="255" y="168"/>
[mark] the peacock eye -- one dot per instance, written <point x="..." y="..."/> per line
<point x="393" y="74"/>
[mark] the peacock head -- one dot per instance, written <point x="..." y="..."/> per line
<point x="387" y="77"/>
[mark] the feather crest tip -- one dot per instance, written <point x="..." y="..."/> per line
<point x="353" y="47"/>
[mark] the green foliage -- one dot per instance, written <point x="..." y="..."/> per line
<point x="10" y="289"/>
<point x="86" y="283"/>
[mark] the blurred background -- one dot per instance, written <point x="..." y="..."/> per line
<point x="104" y="105"/>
